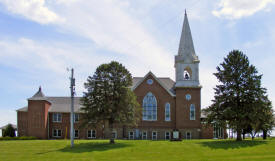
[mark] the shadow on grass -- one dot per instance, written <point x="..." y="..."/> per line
<point x="90" y="147"/>
<point x="232" y="144"/>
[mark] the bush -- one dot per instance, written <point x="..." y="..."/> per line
<point x="9" y="131"/>
<point x="18" y="138"/>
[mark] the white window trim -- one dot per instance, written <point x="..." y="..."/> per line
<point x="114" y="131"/>
<point x="129" y="135"/>
<point x="91" y="134"/>
<point x="57" y="119"/>
<point x="74" y="133"/>
<point x="75" y="117"/>
<point x="57" y="133"/>
<point x="190" y="135"/>
<point x="153" y="135"/>
<point x="143" y="135"/>
<point x="144" y="119"/>
<point x="169" y="135"/>
<point x="194" y="112"/>
<point x="169" y="112"/>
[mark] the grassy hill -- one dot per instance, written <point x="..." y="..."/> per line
<point x="137" y="150"/>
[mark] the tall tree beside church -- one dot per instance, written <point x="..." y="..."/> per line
<point x="239" y="96"/>
<point x="109" y="97"/>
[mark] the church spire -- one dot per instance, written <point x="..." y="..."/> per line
<point x="186" y="47"/>
<point x="186" y="61"/>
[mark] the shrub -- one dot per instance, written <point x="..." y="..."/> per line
<point x="18" y="138"/>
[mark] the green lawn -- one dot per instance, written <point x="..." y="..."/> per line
<point x="137" y="150"/>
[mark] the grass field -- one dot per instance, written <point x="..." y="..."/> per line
<point x="137" y="150"/>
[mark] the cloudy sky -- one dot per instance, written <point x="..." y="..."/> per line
<point x="39" y="39"/>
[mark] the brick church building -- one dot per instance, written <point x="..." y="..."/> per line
<point x="168" y="107"/>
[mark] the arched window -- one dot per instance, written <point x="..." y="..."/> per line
<point x="149" y="107"/>
<point x="192" y="112"/>
<point x="187" y="73"/>
<point x="167" y="112"/>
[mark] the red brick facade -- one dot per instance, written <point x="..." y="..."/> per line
<point x="38" y="121"/>
<point x="183" y="95"/>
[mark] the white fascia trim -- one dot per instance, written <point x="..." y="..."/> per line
<point x="150" y="73"/>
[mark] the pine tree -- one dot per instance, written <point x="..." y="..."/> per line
<point x="239" y="96"/>
<point x="109" y="97"/>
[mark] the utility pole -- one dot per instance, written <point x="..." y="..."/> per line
<point x="72" y="106"/>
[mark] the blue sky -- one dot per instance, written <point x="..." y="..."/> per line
<point x="39" y="39"/>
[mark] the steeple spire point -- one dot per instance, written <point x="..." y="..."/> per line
<point x="186" y="47"/>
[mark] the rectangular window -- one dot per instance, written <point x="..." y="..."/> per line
<point x="144" y="135"/>
<point x="167" y="112"/>
<point x="192" y="112"/>
<point x="167" y="135"/>
<point x="188" y="135"/>
<point x="76" y="117"/>
<point x="92" y="134"/>
<point x="76" y="133"/>
<point x="114" y="134"/>
<point x="154" y="135"/>
<point x="57" y="133"/>
<point x="57" y="117"/>
<point x="131" y="135"/>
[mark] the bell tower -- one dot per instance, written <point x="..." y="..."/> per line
<point x="187" y="87"/>
<point x="186" y="62"/>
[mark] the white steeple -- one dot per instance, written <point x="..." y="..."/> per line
<point x="186" y="47"/>
<point x="186" y="62"/>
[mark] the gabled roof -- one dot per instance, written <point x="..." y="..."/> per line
<point x="63" y="104"/>
<point x="59" y="104"/>
<point x="166" y="83"/>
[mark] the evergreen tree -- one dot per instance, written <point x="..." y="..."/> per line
<point x="109" y="97"/>
<point x="9" y="131"/>
<point x="239" y="97"/>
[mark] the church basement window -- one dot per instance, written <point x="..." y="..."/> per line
<point x="144" y="135"/>
<point x="131" y="135"/>
<point x="149" y="108"/>
<point x="154" y="135"/>
<point x="188" y="135"/>
<point x="91" y="134"/>
<point x="167" y="135"/>
<point x="56" y="133"/>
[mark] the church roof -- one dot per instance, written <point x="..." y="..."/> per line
<point x="186" y="47"/>
<point x="167" y="83"/>
<point x="63" y="104"/>
<point x="59" y="104"/>
<point x="39" y="95"/>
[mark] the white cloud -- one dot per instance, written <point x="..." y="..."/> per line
<point x="235" y="9"/>
<point x="34" y="10"/>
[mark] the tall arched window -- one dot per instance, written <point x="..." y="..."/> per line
<point x="192" y="112"/>
<point x="167" y="112"/>
<point x="149" y="107"/>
